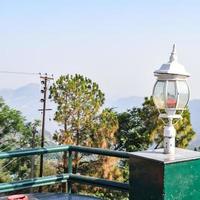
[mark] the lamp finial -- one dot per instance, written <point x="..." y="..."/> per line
<point x="173" y="56"/>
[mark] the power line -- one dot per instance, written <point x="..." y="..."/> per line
<point x="19" y="73"/>
<point x="8" y="163"/>
<point x="8" y="146"/>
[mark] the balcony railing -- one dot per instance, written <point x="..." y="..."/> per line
<point x="68" y="177"/>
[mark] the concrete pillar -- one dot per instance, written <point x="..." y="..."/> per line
<point x="158" y="176"/>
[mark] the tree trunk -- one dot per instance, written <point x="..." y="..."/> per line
<point x="76" y="153"/>
<point x="64" y="185"/>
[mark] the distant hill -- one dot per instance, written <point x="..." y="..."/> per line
<point x="27" y="100"/>
<point x="122" y="104"/>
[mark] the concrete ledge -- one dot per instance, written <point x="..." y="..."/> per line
<point x="158" y="155"/>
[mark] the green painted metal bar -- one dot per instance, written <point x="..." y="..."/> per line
<point x="69" y="162"/>
<point x="100" y="151"/>
<point x="70" y="169"/>
<point x="99" y="182"/>
<point x="49" y="180"/>
<point x="42" y="181"/>
<point x="36" y="151"/>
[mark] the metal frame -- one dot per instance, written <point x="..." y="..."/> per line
<point x="67" y="177"/>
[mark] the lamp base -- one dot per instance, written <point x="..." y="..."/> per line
<point x="158" y="176"/>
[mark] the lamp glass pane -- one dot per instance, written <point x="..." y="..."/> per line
<point x="171" y="99"/>
<point x="183" y="92"/>
<point x="158" y="94"/>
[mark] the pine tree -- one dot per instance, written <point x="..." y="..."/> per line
<point x="79" y="111"/>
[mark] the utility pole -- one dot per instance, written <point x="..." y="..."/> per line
<point x="44" y="79"/>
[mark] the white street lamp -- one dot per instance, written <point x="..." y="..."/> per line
<point x="171" y="95"/>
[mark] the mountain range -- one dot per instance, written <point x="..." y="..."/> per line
<point x="27" y="100"/>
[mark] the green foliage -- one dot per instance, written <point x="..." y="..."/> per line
<point x="155" y="127"/>
<point x="15" y="133"/>
<point x="140" y="127"/>
<point x="20" y="167"/>
<point x="78" y="100"/>
<point x="11" y="124"/>
<point x="4" y="175"/>
<point x="131" y="135"/>
<point x="185" y="132"/>
<point x="102" y="129"/>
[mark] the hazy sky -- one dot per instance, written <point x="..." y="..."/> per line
<point x="117" y="43"/>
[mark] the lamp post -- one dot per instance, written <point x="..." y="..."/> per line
<point x="171" y="95"/>
<point x="169" y="175"/>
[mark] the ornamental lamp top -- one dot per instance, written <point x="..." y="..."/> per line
<point x="172" y="69"/>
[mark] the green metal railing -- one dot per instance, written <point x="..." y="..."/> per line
<point x="69" y="177"/>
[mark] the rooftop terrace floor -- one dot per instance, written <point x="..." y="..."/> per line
<point x="56" y="196"/>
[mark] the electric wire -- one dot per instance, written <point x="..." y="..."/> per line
<point x="19" y="73"/>
<point x="4" y="166"/>
<point x="27" y="73"/>
<point x="5" y="148"/>
<point x="9" y="145"/>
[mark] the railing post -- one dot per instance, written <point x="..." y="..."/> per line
<point x="64" y="185"/>
<point x="69" y="184"/>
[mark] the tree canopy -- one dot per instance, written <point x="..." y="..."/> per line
<point x="132" y="134"/>
<point x="15" y="133"/>
<point x="78" y="101"/>
<point x="141" y="127"/>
